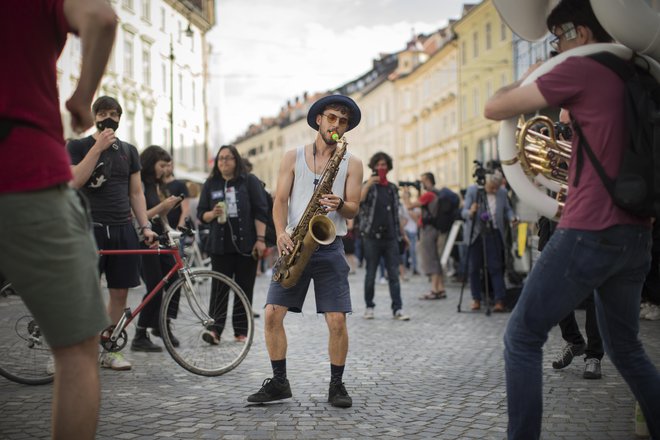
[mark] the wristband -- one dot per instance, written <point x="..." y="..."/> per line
<point x="147" y="226"/>
<point x="341" y="204"/>
<point x="261" y="238"/>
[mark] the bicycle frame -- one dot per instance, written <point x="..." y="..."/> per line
<point x="180" y="266"/>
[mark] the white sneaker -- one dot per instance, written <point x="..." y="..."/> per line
<point x="382" y="280"/>
<point x="653" y="313"/>
<point x="369" y="313"/>
<point x="400" y="316"/>
<point x="115" y="361"/>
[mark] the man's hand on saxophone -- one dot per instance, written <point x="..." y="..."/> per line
<point x="331" y="202"/>
<point x="284" y="243"/>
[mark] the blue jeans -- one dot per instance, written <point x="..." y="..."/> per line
<point x="495" y="260"/>
<point x="374" y="249"/>
<point x="614" y="263"/>
<point x="412" y="251"/>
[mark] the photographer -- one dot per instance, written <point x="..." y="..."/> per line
<point x="484" y="216"/>
<point x="381" y="232"/>
<point x="433" y="235"/>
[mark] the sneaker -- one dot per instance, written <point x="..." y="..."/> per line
<point x="653" y="313"/>
<point x="400" y="316"/>
<point x="338" y="396"/>
<point x="271" y="390"/>
<point x="567" y="354"/>
<point x="240" y="338"/>
<point x="115" y="361"/>
<point x="369" y="313"/>
<point x="382" y="280"/>
<point x="211" y="337"/>
<point x="141" y="342"/>
<point x="173" y="339"/>
<point x="592" y="369"/>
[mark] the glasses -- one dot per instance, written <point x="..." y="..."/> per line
<point x="568" y="32"/>
<point x="226" y="158"/>
<point x="343" y="122"/>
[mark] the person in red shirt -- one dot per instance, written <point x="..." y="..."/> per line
<point x="48" y="251"/>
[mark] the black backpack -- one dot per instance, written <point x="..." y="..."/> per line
<point x="442" y="210"/>
<point x="636" y="188"/>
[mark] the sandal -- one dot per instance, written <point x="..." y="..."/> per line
<point x="434" y="295"/>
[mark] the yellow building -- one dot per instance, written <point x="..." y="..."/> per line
<point x="428" y="117"/>
<point x="485" y="65"/>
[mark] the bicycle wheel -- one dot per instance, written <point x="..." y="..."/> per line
<point x="186" y="310"/>
<point x="24" y="354"/>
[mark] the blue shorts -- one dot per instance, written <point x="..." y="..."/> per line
<point x="121" y="271"/>
<point x="329" y="269"/>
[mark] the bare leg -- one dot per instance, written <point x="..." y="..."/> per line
<point x="436" y="283"/>
<point x="274" y="332"/>
<point x="117" y="303"/>
<point x="338" y="338"/>
<point x="77" y="391"/>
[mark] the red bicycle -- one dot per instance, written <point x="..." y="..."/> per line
<point x="25" y="355"/>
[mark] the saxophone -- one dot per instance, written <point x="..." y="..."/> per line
<point x="314" y="228"/>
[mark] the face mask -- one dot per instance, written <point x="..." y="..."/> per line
<point x="107" y="123"/>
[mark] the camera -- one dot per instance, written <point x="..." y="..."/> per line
<point x="417" y="184"/>
<point x="479" y="173"/>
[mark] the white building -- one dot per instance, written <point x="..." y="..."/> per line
<point x="157" y="71"/>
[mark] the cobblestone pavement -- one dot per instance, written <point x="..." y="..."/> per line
<point x="437" y="376"/>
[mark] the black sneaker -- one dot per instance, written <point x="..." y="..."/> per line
<point x="271" y="389"/>
<point x="156" y="332"/>
<point x="141" y="342"/>
<point x="567" y="354"/>
<point x="338" y="396"/>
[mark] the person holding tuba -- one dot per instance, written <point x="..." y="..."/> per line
<point x="318" y="181"/>
<point x="597" y="245"/>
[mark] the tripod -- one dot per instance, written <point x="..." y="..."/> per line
<point x="484" y="216"/>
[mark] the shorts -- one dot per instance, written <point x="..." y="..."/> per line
<point x="49" y="256"/>
<point x="121" y="271"/>
<point x="431" y="244"/>
<point x="329" y="270"/>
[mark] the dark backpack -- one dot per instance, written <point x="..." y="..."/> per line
<point x="442" y="210"/>
<point x="271" y="237"/>
<point x="636" y="188"/>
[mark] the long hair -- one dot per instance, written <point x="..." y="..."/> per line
<point x="238" y="160"/>
<point x="148" y="159"/>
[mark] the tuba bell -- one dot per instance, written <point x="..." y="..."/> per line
<point x="533" y="162"/>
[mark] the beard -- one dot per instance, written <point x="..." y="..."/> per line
<point x="327" y="137"/>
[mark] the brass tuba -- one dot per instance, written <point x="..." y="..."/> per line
<point x="529" y="159"/>
<point x="314" y="228"/>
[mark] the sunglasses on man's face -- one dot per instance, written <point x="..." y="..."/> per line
<point x="343" y="122"/>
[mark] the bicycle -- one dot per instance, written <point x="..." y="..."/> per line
<point x="25" y="354"/>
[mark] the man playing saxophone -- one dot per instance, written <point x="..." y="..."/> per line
<point x="301" y="171"/>
<point x="596" y="247"/>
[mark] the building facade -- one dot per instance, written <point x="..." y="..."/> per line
<point x="157" y="71"/>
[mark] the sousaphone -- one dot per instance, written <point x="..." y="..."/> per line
<point x="529" y="159"/>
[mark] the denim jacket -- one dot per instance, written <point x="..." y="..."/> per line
<point x="368" y="210"/>
<point x="251" y="204"/>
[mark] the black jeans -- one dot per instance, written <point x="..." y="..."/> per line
<point x="374" y="249"/>
<point x="154" y="268"/>
<point x="244" y="271"/>
<point x="571" y="332"/>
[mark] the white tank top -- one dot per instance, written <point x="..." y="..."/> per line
<point x="303" y="189"/>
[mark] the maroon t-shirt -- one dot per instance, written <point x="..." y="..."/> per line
<point x="594" y="95"/>
<point x="33" y="155"/>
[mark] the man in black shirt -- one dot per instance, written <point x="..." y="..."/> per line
<point x="381" y="233"/>
<point x="107" y="171"/>
<point x="177" y="215"/>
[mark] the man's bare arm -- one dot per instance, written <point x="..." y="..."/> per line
<point x="513" y="100"/>
<point x="281" y="200"/>
<point x="96" y="23"/>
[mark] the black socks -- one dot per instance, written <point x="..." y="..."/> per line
<point x="336" y="373"/>
<point x="279" y="370"/>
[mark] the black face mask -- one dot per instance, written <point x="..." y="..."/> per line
<point x="107" y="123"/>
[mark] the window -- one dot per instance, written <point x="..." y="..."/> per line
<point x="502" y="31"/>
<point x="475" y="44"/>
<point x="146" y="63"/>
<point x="193" y="94"/>
<point x="164" y="76"/>
<point x="180" y="87"/>
<point x="129" y="126"/>
<point x="463" y="107"/>
<point x="463" y="53"/>
<point x="475" y="102"/>
<point x="162" y="19"/>
<point x="148" y="131"/>
<point x="488" y="36"/>
<point x="127" y="4"/>
<point x="146" y="10"/>
<point x="128" y="54"/>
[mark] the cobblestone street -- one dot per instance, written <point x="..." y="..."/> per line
<point x="438" y="376"/>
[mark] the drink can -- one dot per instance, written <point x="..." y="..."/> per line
<point x="222" y="218"/>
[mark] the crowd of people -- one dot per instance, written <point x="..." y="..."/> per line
<point x="129" y="198"/>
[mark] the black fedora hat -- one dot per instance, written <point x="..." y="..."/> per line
<point x="322" y="103"/>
